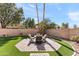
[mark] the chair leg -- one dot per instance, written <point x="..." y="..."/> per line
<point x="44" y="40"/>
<point x="31" y="41"/>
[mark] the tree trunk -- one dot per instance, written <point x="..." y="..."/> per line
<point x="43" y="11"/>
<point x="3" y="25"/>
<point x="37" y="14"/>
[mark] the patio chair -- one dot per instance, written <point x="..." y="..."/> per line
<point x="44" y="37"/>
<point x="31" y="38"/>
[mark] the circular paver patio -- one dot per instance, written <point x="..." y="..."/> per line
<point x="24" y="45"/>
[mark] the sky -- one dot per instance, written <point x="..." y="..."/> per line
<point x="56" y="12"/>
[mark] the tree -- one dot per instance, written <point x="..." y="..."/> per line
<point x="25" y="23"/>
<point x="33" y="22"/>
<point x="65" y="25"/>
<point x="29" y="23"/>
<point x="37" y="13"/>
<point x="53" y="25"/>
<point x="44" y="25"/>
<point x="45" y="22"/>
<point x="43" y="11"/>
<point x="18" y="16"/>
<point x="58" y="27"/>
<point x="9" y="14"/>
<point x="75" y="26"/>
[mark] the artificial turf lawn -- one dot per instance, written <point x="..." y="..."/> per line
<point x="7" y="48"/>
<point x="66" y="48"/>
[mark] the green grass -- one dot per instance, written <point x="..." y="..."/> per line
<point x="7" y="48"/>
<point x="66" y="48"/>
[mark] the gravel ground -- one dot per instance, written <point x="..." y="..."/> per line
<point x="75" y="46"/>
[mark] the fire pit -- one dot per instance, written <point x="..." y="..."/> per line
<point x="39" y="39"/>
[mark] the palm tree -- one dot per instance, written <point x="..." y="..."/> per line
<point x="38" y="16"/>
<point x="43" y="11"/>
<point x="37" y="13"/>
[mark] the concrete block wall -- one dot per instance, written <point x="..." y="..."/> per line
<point x="14" y="32"/>
<point x="64" y="33"/>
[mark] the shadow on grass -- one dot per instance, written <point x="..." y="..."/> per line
<point x="4" y="40"/>
<point x="68" y="47"/>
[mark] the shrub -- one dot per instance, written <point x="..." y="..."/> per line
<point x="20" y="34"/>
<point x="75" y="38"/>
<point x="4" y="35"/>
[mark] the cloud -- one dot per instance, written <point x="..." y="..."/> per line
<point x="19" y="5"/>
<point x="32" y="5"/>
<point x="73" y="16"/>
<point x="58" y="7"/>
<point x="30" y="11"/>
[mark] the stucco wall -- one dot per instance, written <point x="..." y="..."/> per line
<point x="58" y="32"/>
<point x="74" y="32"/>
<point x="13" y="32"/>
<point x="65" y="33"/>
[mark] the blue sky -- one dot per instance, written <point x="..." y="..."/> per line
<point x="56" y="12"/>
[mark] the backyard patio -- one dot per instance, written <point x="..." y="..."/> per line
<point x="8" y="47"/>
<point x="34" y="35"/>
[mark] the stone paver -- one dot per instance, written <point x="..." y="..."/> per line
<point x="54" y="44"/>
<point x="24" y="46"/>
<point x="39" y="54"/>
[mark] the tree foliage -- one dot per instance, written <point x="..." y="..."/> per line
<point x="75" y="26"/>
<point x="9" y="14"/>
<point x="53" y="25"/>
<point x="46" y="24"/>
<point x="29" y="23"/>
<point x="65" y="25"/>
